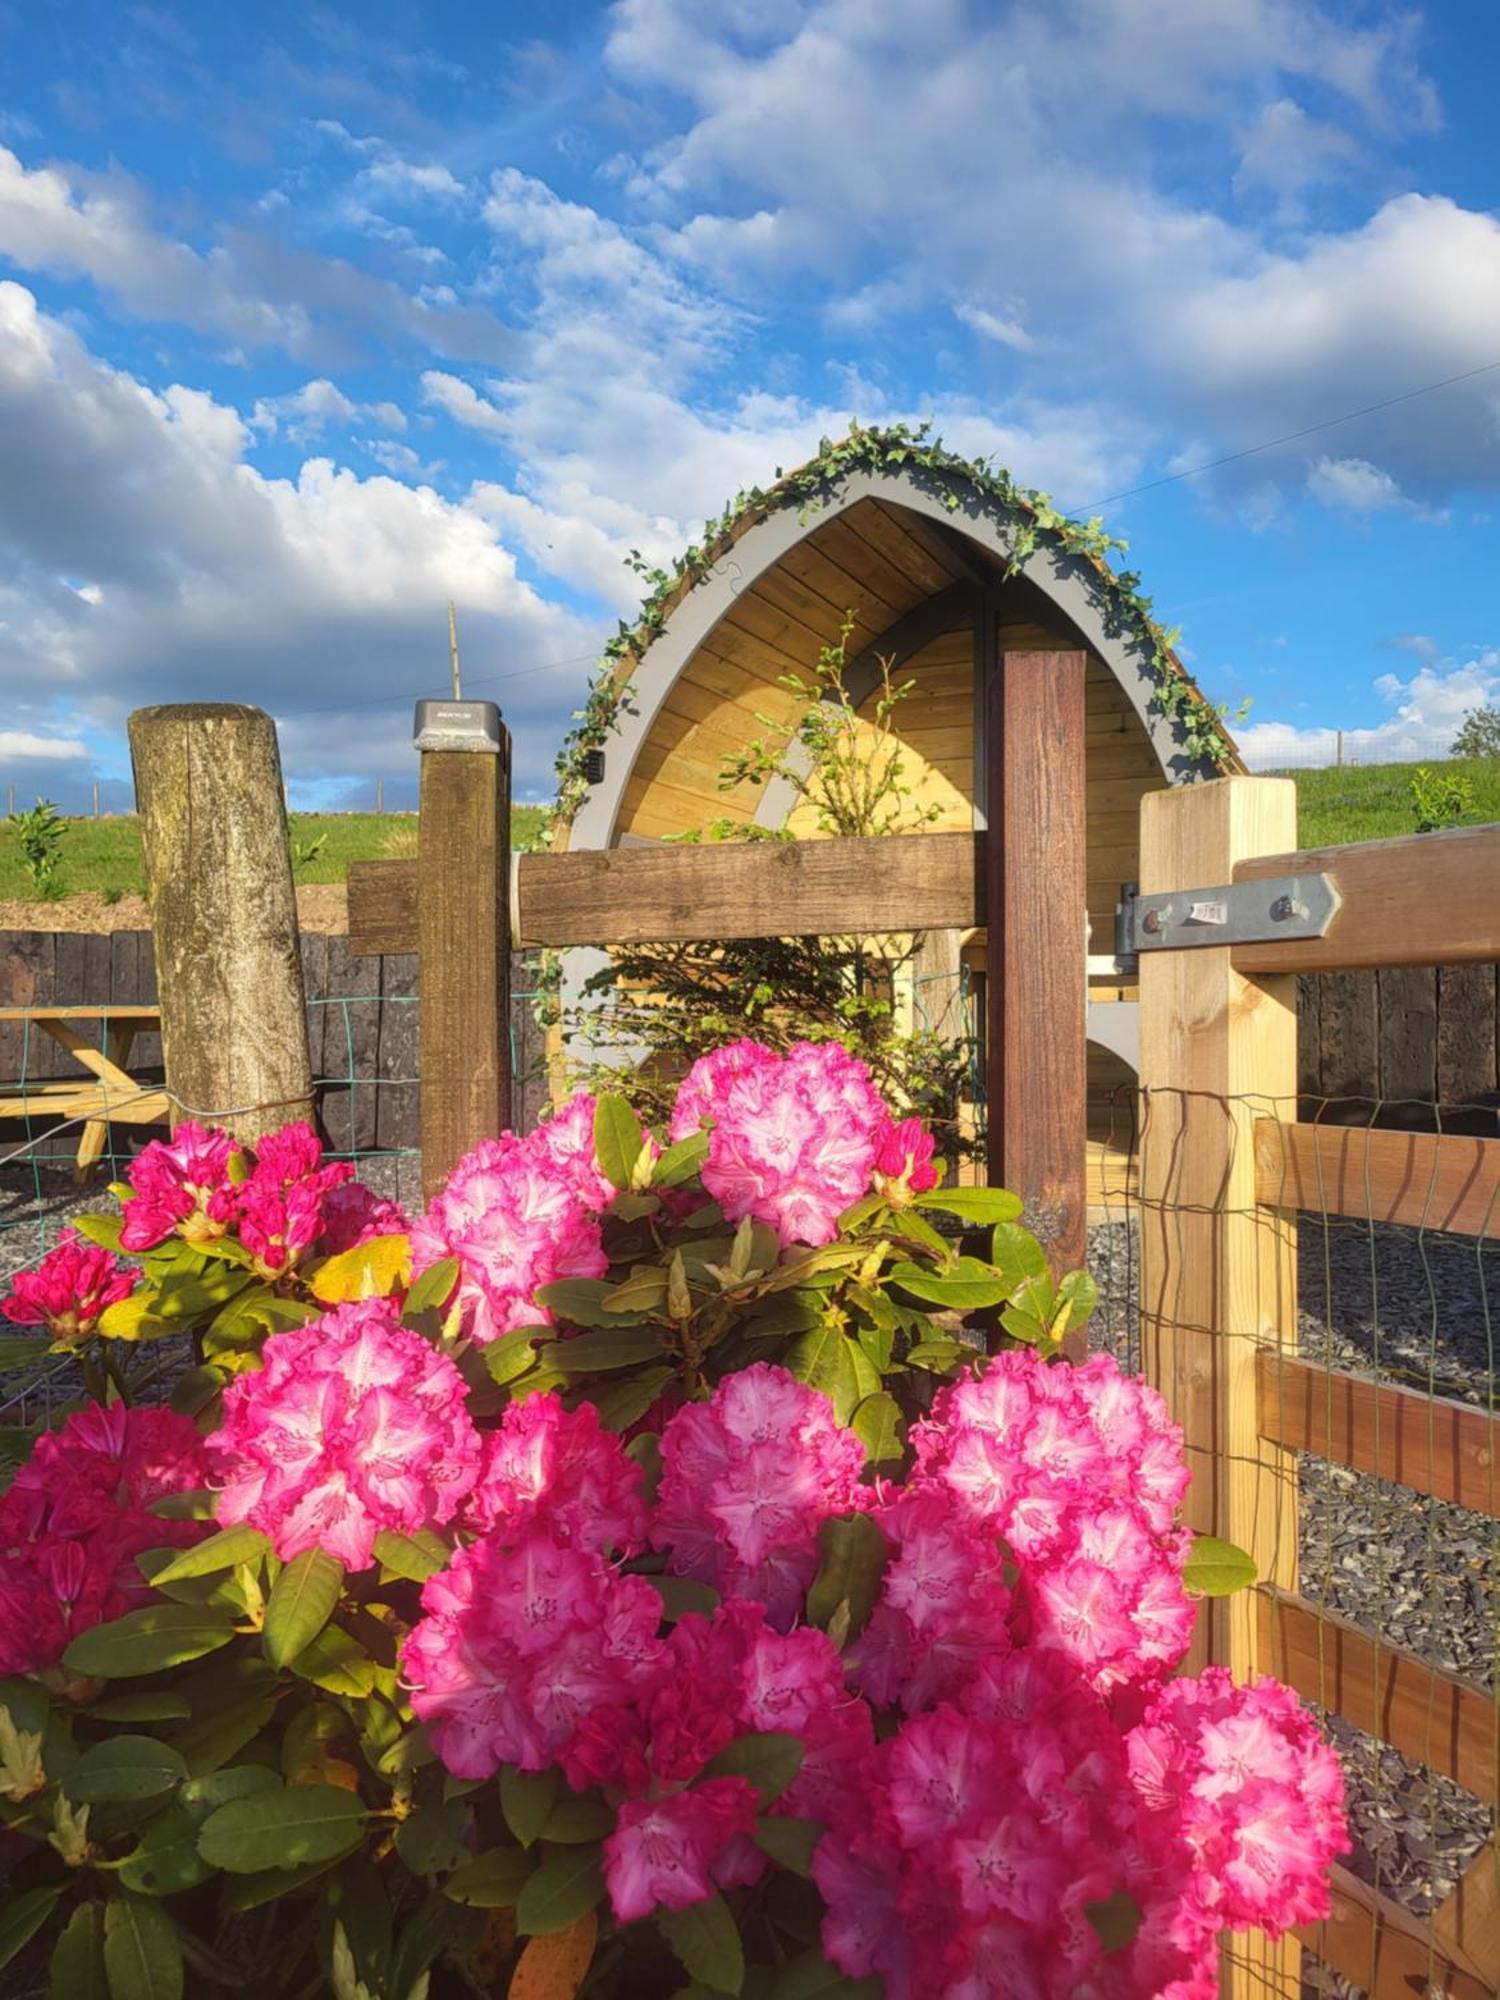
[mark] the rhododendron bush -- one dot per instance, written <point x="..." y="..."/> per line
<point x="675" y="1563"/>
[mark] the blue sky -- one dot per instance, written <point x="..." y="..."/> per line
<point x="311" y="319"/>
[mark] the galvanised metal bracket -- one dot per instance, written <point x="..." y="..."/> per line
<point x="1286" y="906"/>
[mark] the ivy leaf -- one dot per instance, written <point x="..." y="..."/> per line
<point x="1216" y="1568"/>
<point x="617" y="1139"/>
<point x="707" y="1940"/>
<point x="370" y="1270"/>
<point x="145" y="1641"/>
<point x="142" y="1957"/>
<point x="301" y="1604"/>
<point x="972" y="1204"/>
<point x="566" y="1887"/>
<point x="852" y="1557"/>
<point x="297" y="1827"/>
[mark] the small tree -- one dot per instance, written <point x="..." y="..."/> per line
<point x="39" y="835"/>
<point x="1439" y="798"/>
<point x="669" y="1004"/>
<point x="1479" y="735"/>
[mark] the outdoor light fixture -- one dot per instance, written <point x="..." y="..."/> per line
<point x="593" y="767"/>
<point x="457" y="725"/>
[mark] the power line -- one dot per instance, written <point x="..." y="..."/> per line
<point x="1289" y="437"/>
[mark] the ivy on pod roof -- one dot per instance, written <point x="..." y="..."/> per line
<point x="1034" y="523"/>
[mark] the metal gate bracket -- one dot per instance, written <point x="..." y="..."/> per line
<point x="1288" y="906"/>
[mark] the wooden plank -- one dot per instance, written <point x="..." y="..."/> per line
<point x="926" y="567"/>
<point x="1349" y="1033"/>
<point x="1468" y="1924"/>
<point x="1425" y="899"/>
<point x="1309" y="1043"/>
<point x="1408" y="1045"/>
<point x="1036" y="1084"/>
<point x="1429" y="1443"/>
<point x="1466" y="1052"/>
<point x="1384" y="1950"/>
<point x="1421" y="1179"/>
<point x="463" y="940"/>
<point x="397" y="1107"/>
<point x="83" y="1011"/>
<point x="632" y="895"/>
<point x="1431" y="1716"/>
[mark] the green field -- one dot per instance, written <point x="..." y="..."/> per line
<point x="105" y="854"/>
<point x="1373" y="801"/>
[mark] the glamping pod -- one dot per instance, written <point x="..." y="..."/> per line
<point x="938" y="566"/>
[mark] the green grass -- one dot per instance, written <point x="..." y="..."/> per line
<point x="105" y="854"/>
<point x="1373" y="801"/>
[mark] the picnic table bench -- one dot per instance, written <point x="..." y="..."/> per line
<point x="110" y="1093"/>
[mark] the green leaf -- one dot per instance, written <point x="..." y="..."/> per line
<point x="681" y="1594"/>
<point x="145" y="1641"/>
<point x="166" y="1859"/>
<point x="301" y="1604"/>
<point x="811" y="1977"/>
<point x="134" y="1318"/>
<point x="416" y="1557"/>
<point x="1079" y="1293"/>
<point x="431" y="1841"/>
<point x="202" y="1796"/>
<point x="789" y="1842"/>
<point x="431" y="1290"/>
<point x="598" y="1353"/>
<point x="101" y="1229"/>
<point x="707" y="1940"/>
<point x="617" y="1139"/>
<point x="770" y="1759"/>
<point x="297" y="1827"/>
<point x="625" y="1401"/>
<point x="21" y="1917"/>
<point x="852" y="1556"/>
<point x="972" y="1204"/>
<point x="580" y="1302"/>
<point x="150" y="1707"/>
<point x="526" y="1800"/>
<point x="681" y="1162"/>
<point x="965" y="1285"/>
<point x="240" y="1544"/>
<point x="23" y="1350"/>
<point x="822" y="1360"/>
<point x="142" y="1957"/>
<point x="877" y="1424"/>
<point x="642" y="1291"/>
<point x="1217" y="1569"/>
<point x="939" y="1357"/>
<point x="1016" y="1254"/>
<point x="491" y="1881"/>
<point x="513" y="1353"/>
<point x="77" y="1970"/>
<point x="1115" y="1920"/>
<point x="275" y="1885"/>
<point x="574" y="1820"/>
<point x="125" y="1768"/>
<point x="196" y="1504"/>
<point x="212" y="1738"/>
<point x="563" y="1889"/>
<point x="337" y="1662"/>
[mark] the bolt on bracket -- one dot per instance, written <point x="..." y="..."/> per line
<point x="1289" y="906"/>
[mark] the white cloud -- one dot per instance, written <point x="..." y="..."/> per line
<point x="325" y="592"/>
<point x="1425" y="713"/>
<point x="26" y="745"/>
<point x="318" y="406"/>
<point x="1354" y="484"/>
<point x="1286" y="153"/>
<point x="1008" y="332"/>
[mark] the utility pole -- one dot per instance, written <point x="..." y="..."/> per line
<point x="458" y="693"/>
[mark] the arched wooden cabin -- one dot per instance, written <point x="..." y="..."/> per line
<point x="943" y="567"/>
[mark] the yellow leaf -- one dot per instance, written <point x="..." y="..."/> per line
<point x="370" y="1270"/>
<point x="553" y="1968"/>
<point x="132" y="1318"/>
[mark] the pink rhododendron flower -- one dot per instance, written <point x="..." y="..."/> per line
<point x="662" y="1852"/>
<point x="68" y="1290"/>
<point x="567" y="1140"/>
<point x="354" y="1214"/>
<point x="747" y="1479"/>
<point x="278" y="1208"/>
<point x="564" y="1469"/>
<point x="903" y="1159"/>
<point x="523" y="1640"/>
<point x="181" y="1184"/>
<point x="76" y="1516"/>
<point x="353" y="1424"/>
<point x="1243" y="1774"/>
<point x="793" y="1139"/>
<point x="515" y="1219"/>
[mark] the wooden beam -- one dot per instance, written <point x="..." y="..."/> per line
<point x="1384" y="1950"/>
<point x="463" y="939"/>
<point x="1425" y="1179"/>
<point x="1468" y="1924"/>
<point x="1433" y="1717"/>
<point x="738" y="889"/>
<point x="1428" y="1443"/>
<point x="1426" y="899"/>
<point x="1037" y="983"/>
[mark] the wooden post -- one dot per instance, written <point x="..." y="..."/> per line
<point x="464" y="946"/>
<point x="96" y="798"/>
<point x="380" y="795"/>
<point x="1218" y="1273"/>
<point x="223" y="915"/>
<point x="1036" y="965"/>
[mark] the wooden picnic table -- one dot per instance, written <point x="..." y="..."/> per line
<point x="112" y="1094"/>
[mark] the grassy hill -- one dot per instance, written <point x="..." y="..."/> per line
<point x="1373" y="801"/>
<point x="105" y="854"/>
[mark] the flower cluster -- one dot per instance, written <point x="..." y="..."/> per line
<point x="354" y="1424"/>
<point x="547" y="1461"/>
<point x="77" y="1515"/>
<point x="518" y="1214"/>
<point x="179" y="1185"/>
<point x="69" y="1289"/>
<point x="794" y="1139"/>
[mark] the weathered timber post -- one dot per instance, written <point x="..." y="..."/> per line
<point x="1219" y="1273"/>
<point x="223" y="914"/>
<point x="1036" y="964"/>
<point x="463" y="930"/>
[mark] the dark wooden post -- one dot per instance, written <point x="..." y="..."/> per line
<point x="223" y="915"/>
<point x="463" y="934"/>
<point x="1036" y="965"/>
